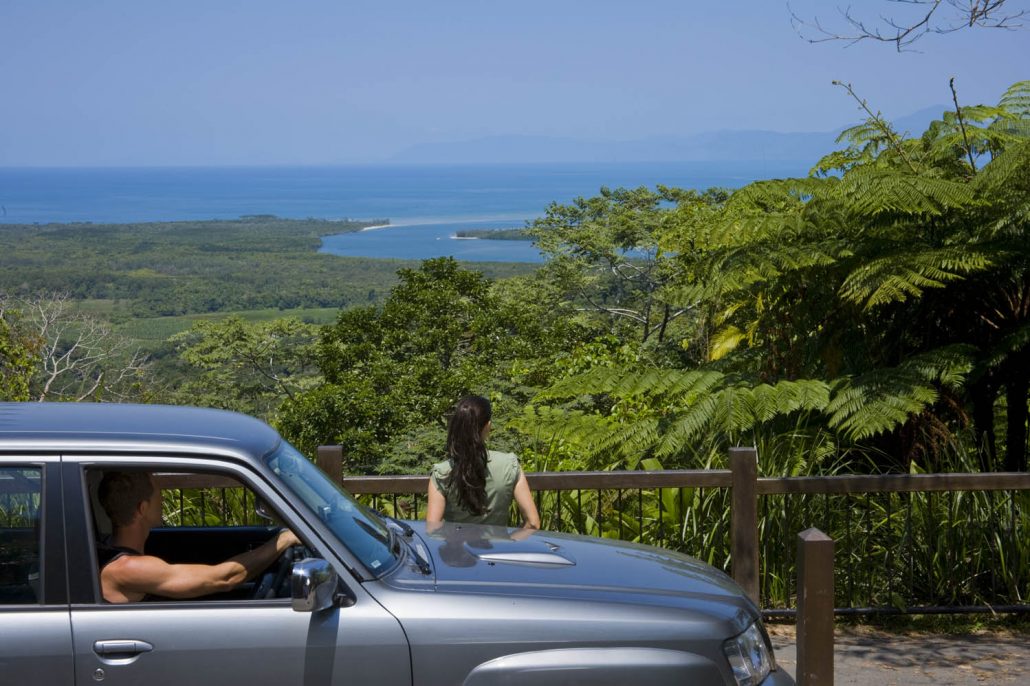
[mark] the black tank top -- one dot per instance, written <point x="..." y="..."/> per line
<point x="107" y="553"/>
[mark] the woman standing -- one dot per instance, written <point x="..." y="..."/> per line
<point x="475" y="485"/>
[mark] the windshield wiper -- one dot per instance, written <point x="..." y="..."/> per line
<point x="394" y="525"/>
<point x="399" y="523"/>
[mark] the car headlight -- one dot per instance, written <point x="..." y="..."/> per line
<point x="750" y="656"/>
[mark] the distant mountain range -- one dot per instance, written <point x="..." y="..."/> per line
<point x="710" y="146"/>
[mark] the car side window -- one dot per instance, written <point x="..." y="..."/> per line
<point x="207" y="518"/>
<point x="21" y="501"/>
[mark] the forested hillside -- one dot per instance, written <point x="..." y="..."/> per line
<point x="874" y="315"/>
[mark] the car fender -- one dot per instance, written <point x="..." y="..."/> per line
<point x="614" y="666"/>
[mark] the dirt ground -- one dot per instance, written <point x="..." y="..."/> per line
<point x="868" y="656"/>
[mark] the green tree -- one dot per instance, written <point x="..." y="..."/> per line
<point x="19" y="353"/>
<point x="247" y="367"/>
<point x="391" y="370"/>
<point x="608" y="255"/>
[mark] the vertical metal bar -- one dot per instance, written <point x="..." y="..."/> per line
<point x="1012" y="526"/>
<point x="600" y="529"/>
<point x="867" y="557"/>
<point x="640" y="513"/>
<point x="557" y="495"/>
<point x="911" y="545"/>
<point x="618" y="510"/>
<point x="579" y="513"/>
<point x="786" y="523"/>
<point x="850" y="553"/>
<point x="949" y="549"/>
<point x="932" y="541"/>
<point x="682" y="516"/>
<point x="661" y="518"/>
<point x="889" y="545"/>
<point x="763" y="558"/>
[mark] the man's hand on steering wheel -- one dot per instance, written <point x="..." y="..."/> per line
<point x="274" y="577"/>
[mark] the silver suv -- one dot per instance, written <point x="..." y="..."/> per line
<point x="365" y="600"/>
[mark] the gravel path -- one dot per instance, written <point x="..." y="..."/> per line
<point x="870" y="657"/>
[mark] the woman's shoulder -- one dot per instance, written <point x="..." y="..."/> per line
<point x="504" y="465"/>
<point x="442" y="469"/>
<point x="502" y="458"/>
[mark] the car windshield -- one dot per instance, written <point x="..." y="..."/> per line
<point x="357" y="527"/>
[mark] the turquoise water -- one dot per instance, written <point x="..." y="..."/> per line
<point x="424" y="204"/>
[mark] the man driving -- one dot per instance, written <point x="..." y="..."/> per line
<point x="134" y="504"/>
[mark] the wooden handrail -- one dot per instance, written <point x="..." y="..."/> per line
<point x="720" y="478"/>
<point x="557" y="481"/>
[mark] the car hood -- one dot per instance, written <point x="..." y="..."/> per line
<point x="469" y="558"/>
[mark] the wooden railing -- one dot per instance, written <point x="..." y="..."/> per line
<point x="747" y="493"/>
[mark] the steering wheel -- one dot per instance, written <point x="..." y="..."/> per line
<point x="274" y="582"/>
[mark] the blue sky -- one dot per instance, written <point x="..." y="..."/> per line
<point x="229" y="82"/>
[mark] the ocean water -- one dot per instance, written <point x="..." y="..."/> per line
<point x="424" y="204"/>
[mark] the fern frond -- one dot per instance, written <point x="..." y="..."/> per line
<point x="1016" y="342"/>
<point x="873" y="192"/>
<point x="902" y="276"/>
<point x="690" y="423"/>
<point x="1016" y="99"/>
<point x="724" y="341"/>
<point x="877" y="402"/>
<point x="947" y="366"/>
<point x="884" y="399"/>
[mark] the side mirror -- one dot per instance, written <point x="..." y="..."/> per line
<point x="313" y="585"/>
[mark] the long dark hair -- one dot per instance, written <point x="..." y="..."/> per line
<point x="467" y="452"/>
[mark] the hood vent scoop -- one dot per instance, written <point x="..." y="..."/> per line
<point x="533" y="559"/>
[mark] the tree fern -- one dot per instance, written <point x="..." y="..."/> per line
<point x="899" y="277"/>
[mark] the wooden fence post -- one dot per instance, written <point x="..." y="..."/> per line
<point x="744" y="519"/>
<point x="815" y="609"/>
<point x="330" y="460"/>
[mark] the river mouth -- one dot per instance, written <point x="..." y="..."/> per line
<point x="428" y="239"/>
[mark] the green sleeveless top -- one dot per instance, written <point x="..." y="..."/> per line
<point x="502" y="472"/>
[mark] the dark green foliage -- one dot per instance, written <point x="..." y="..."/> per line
<point x="392" y="372"/>
<point x="495" y="234"/>
<point x="20" y="350"/>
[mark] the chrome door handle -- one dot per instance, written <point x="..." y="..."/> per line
<point x="121" y="648"/>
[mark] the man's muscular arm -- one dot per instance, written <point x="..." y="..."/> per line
<point x="138" y="575"/>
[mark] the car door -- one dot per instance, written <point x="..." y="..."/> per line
<point x="34" y="622"/>
<point x="229" y="642"/>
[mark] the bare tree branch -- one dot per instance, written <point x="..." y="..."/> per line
<point x="962" y="125"/>
<point x="81" y="357"/>
<point x="934" y="17"/>
<point x="892" y="138"/>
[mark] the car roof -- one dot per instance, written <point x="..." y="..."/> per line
<point x="118" y="426"/>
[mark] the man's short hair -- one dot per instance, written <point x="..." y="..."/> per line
<point x="120" y="493"/>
